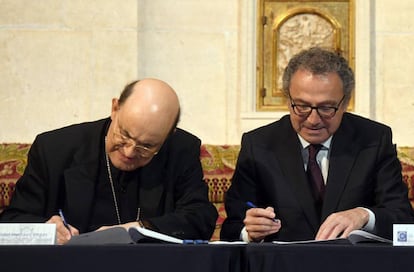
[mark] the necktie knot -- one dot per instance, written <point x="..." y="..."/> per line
<point x="313" y="150"/>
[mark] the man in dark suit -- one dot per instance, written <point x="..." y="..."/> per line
<point x="134" y="168"/>
<point x="360" y="174"/>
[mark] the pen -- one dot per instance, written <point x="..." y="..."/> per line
<point x="64" y="221"/>
<point x="251" y="205"/>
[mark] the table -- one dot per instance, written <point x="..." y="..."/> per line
<point x="329" y="257"/>
<point x="118" y="258"/>
<point x="208" y="258"/>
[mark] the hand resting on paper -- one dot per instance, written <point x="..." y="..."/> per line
<point x="63" y="235"/>
<point x="340" y="224"/>
<point x="260" y="223"/>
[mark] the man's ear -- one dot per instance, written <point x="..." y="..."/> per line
<point x="172" y="131"/>
<point x="115" y="107"/>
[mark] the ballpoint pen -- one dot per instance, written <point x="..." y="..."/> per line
<point x="251" y="205"/>
<point x="64" y="221"/>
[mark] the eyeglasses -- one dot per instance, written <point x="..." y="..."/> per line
<point x="323" y="111"/>
<point x="125" y="141"/>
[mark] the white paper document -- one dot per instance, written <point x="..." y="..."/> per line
<point x="138" y="233"/>
<point x="27" y="234"/>
<point x="227" y="243"/>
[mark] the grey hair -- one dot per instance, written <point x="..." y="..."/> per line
<point x="320" y="61"/>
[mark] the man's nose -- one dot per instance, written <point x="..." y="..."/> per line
<point x="130" y="151"/>
<point x="314" y="116"/>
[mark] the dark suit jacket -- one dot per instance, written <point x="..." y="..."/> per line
<point x="364" y="171"/>
<point x="62" y="172"/>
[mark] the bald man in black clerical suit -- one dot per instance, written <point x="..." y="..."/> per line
<point x="134" y="168"/>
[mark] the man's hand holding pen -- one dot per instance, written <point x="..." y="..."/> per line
<point x="64" y="231"/>
<point x="260" y="222"/>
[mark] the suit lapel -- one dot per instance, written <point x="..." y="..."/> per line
<point x="342" y="158"/>
<point x="152" y="187"/>
<point x="81" y="177"/>
<point x="289" y="156"/>
<point x="80" y="189"/>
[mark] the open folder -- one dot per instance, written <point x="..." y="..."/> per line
<point x="119" y="235"/>
<point x="355" y="237"/>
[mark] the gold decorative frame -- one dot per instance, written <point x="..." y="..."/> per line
<point x="286" y="27"/>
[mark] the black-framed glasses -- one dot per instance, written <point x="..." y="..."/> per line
<point x="304" y="110"/>
<point x="124" y="140"/>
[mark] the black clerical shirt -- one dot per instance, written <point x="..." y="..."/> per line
<point x="126" y="185"/>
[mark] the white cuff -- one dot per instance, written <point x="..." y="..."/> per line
<point x="370" y="225"/>
<point x="244" y="236"/>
